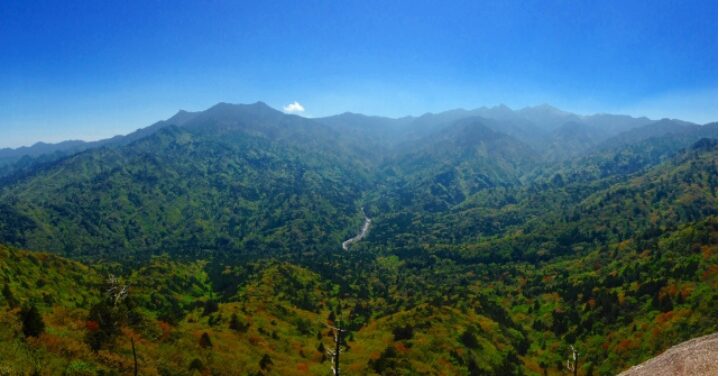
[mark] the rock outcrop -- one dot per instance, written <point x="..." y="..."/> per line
<point x="696" y="357"/>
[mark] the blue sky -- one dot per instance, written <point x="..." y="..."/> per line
<point x="89" y="70"/>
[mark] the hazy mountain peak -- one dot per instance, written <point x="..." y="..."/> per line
<point x="221" y="109"/>
<point x="240" y="106"/>
<point x="181" y="117"/>
<point x="229" y="112"/>
<point x="501" y="107"/>
<point x="544" y="109"/>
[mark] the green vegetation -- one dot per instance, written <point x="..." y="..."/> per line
<point x="212" y="246"/>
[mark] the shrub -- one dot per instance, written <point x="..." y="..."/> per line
<point x="196" y="365"/>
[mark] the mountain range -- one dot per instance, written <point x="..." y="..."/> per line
<point x="499" y="238"/>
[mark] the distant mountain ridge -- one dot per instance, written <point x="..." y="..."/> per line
<point x="236" y="153"/>
<point x="534" y="125"/>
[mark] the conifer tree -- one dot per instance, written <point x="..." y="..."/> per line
<point x="32" y="322"/>
<point x="205" y="341"/>
<point x="265" y="362"/>
<point x="9" y="297"/>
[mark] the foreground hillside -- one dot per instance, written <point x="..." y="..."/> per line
<point x="500" y="239"/>
<point x="509" y="319"/>
<point x="179" y="328"/>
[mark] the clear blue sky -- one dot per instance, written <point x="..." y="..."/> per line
<point x="93" y="69"/>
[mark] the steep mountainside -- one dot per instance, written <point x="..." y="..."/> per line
<point x="444" y="168"/>
<point x="185" y="192"/>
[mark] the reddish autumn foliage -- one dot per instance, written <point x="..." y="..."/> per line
<point x="625" y="345"/>
<point x="165" y="328"/>
<point x="303" y="367"/>
<point x="92" y="325"/>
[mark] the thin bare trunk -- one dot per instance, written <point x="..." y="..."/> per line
<point x="132" y="343"/>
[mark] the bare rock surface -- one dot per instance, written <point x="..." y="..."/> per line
<point x="696" y="357"/>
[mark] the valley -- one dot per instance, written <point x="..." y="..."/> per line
<point x="486" y="242"/>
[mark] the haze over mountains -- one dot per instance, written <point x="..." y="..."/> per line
<point x="535" y="126"/>
<point x="498" y="238"/>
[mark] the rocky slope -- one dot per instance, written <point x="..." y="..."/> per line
<point x="696" y="357"/>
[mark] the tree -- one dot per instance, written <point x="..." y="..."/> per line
<point x="469" y="340"/>
<point x="32" y="322"/>
<point x="321" y="349"/>
<point x="544" y="367"/>
<point x="9" y="297"/>
<point x="403" y="332"/>
<point x="334" y="352"/>
<point x="135" y="363"/>
<point x="265" y="362"/>
<point x="209" y="307"/>
<point x="235" y="324"/>
<point x="473" y="368"/>
<point x="107" y="316"/>
<point x="387" y="361"/>
<point x="205" y="341"/>
<point x="196" y="365"/>
<point x="103" y="325"/>
<point x="572" y="361"/>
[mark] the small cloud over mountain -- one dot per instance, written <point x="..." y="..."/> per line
<point x="294" y="107"/>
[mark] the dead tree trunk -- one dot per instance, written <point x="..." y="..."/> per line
<point x="336" y="359"/>
<point x="572" y="361"/>
<point x="335" y="351"/>
<point x="135" y="368"/>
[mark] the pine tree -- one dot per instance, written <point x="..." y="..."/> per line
<point x="265" y="362"/>
<point x="321" y="349"/>
<point x="235" y="323"/>
<point x="205" y="341"/>
<point x="32" y="322"/>
<point x="9" y="297"/>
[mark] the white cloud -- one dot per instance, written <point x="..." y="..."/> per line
<point x="294" y="107"/>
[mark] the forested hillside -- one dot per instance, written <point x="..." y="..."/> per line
<point x="211" y="244"/>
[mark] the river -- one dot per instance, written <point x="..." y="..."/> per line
<point x="363" y="232"/>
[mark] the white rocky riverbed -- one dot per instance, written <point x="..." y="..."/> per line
<point x="363" y="232"/>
